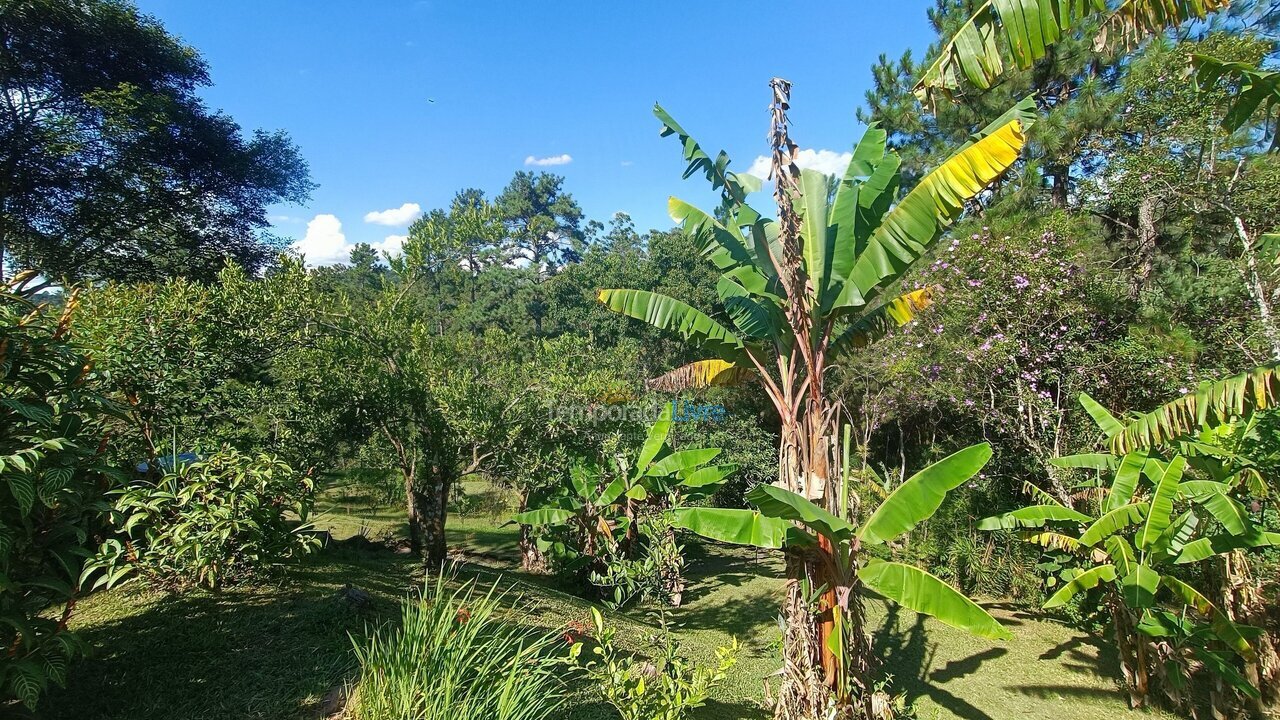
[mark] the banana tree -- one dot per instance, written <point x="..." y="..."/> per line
<point x="783" y="519"/>
<point x="1023" y="31"/>
<point x="1128" y="555"/>
<point x="800" y="291"/>
<point x="604" y="512"/>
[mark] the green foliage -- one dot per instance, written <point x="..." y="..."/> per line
<point x="1127" y="560"/>
<point x="109" y="141"/>
<point x="52" y="481"/>
<point x="454" y="656"/>
<point x="912" y="502"/>
<point x="207" y="364"/>
<point x="669" y="687"/>
<point x="210" y="523"/>
<point x="609" y="521"/>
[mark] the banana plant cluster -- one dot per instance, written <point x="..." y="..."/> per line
<point x="601" y="510"/>
<point x="798" y="292"/>
<point x="1165" y="509"/>
<point x="783" y="519"/>
<point x="855" y="242"/>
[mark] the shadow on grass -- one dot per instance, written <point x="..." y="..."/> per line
<point x="908" y="656"/>
<point x="271" y="650"/>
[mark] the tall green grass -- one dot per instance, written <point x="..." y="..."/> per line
<point x="454" y="658"/>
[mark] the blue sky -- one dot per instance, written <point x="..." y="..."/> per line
<point x="514" y="82"/>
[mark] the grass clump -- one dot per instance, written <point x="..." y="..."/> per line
<point x="454" y="657"/>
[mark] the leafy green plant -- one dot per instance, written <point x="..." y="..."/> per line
<point x="453" y="657"/>
<point x="1025" y="31"/>
<point x="210" y="523"/>
<point x="51" y="492"/>
<point x="1129" y="560"/>
<point x="668" y="687"/>
<point x="606" y="521"/>
<point x="800" y="291"/>
<point x="787" y="520"/>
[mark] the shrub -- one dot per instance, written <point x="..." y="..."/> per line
<point x="665" y="689"/>
<point x="212" y="522"/>
<point x="52" y="493"/>
<point x="453" y="658"/>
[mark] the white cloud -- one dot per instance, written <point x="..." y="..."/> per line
<point x="829" y="162"/>
<point x="395" y="217"/>
<point x="324" y="243"/>
<point x="391" y="244"/>
<point x="564" y="159"/>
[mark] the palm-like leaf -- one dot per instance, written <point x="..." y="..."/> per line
<point x="681" y="461"/>
<point x="1090" y="461"/>
<point x="1113" y="522"/>
<point x="1023" y="30"/>
<point x="915" y="223"/>
<point x="879" y="322"/>
<point x="917" y="590"/>
<point x="700" y="374"/>
<point x="915" y="500"/>
<point x="1160" y="510"/>
<point x="1257" y="88"/>
<point x="1033" y="516"/>
<point x="667" y="313"/>
<point x="1222" y="625"/>
<point x="1219" y="401"/>
<point x="740" y="527"/>
<point x="1102" y="417"/>
<point x="776" y="502"/>
<point x="1087" y="580"/>
<point x="1207" y="547"/>
<point x="1125" y="482"/>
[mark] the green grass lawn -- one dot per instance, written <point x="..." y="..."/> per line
<point x="276" y="649"/>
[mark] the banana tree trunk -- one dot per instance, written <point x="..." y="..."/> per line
<point x="1133" y="652"/>
<point x="1243" y="602"/>
<point x="820" y="674"/>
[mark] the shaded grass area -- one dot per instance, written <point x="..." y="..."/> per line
<point x="275" y="649"/>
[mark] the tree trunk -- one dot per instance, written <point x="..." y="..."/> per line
<point x="411" y="511"/>
<point x="1133" y="653"/>
<point x="433" y="509"/>
<point x="816" y="680"/>
<point x="1061" y="175"/>
<point x="1147" y="237"/>
<point x="1257" y="291"/>
<point x="531" y="558"/>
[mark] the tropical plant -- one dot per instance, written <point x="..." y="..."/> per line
<point x="211" y="523"/>
<point x="1257" y="88"/>
<point x="668" y="688"/>
<point x="605" y="521"/>
<point x="454" y="657"/>
<point x="53" y="479"/>
<point x="1212" y="403"/>
<point x="786" y="520"/>
<point x="800" y="291"/>
<point x="1129" y="559"/>
<point x="1025" y="30"/>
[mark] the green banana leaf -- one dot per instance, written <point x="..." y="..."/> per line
<point x="1087" y="580"/>
<point x="776" y="502"/>
<point x="740" y="527"/>
<point x="1113" y="522"/>
<point x="917" y="590"/>
<point x="915" y="500"/>
<point x="1033" y="516"/>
